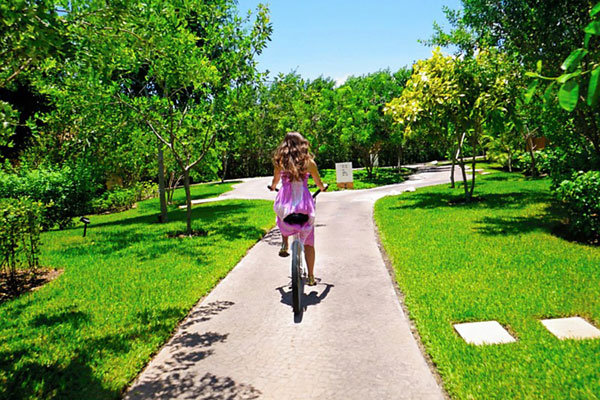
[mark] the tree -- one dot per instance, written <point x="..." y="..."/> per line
<point x="539" y="34"/>
<point x="465" y="92"/>
<point x="190" y="53"/>
<point x="31" y="36"/>
<point x="361" y="122"/>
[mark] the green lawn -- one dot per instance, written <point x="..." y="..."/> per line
<point x="125" y="286"/>
<point x="381" y="177"/>
<point x="496" y="259"/>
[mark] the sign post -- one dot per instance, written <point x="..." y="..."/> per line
<point x="343" y="173"/>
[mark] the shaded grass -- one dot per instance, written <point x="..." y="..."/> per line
<point x="126" y="285"/>
<point x="381" y="177"/>
<point x="496" y="259"/>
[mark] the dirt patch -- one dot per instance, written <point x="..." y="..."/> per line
<point x="26" y="282"/>
<point x="182" y="235"/>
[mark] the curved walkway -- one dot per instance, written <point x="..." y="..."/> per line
<point x="352" y="342"/>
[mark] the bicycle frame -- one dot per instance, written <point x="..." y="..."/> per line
<point x="297" y="269"/>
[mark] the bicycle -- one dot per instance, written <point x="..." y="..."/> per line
<point x="297" y="255"/>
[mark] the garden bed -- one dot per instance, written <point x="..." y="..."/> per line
<point x="26" y="282"/>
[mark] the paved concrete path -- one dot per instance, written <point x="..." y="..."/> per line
<point x="352" y="342"/>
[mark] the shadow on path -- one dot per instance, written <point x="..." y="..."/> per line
<point x="176" y="377"/>
<point x="308" y="299"/>
<point x="188" y="385"/>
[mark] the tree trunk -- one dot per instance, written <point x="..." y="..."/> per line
<point x="476" y="134"/>
<point x="161" y="185"/>
<point x="461" y="161"/>
<point x="225" y="158"/>
<point x="452" y="184"/>
<point x="188" y="201"/>
<point x="455" y="158"/>
<point x="368" y="165"/>
<point x="400" y="156"/>
<point x="473" y="166"/>
<point x="529" y="143"/>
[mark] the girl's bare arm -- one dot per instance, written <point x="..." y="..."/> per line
<point x="314" y="172"/>
<point x="276" y="176"/>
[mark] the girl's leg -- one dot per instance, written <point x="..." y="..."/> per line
<point x="309" y="256"/>
<point x="283" y="251"/>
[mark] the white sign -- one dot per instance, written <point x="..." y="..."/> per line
<point x="343" y="172"/>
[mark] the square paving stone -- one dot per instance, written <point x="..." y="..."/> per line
<point x="485" y="332"/>
<point x="571" y="328"/>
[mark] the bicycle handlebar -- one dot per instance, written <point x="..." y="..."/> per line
<point x="315" y="194"/>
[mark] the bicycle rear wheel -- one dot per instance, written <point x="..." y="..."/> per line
<point x="296" y="276"/>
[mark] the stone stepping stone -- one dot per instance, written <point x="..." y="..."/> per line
<point x="485" y="332"/>
<point x="571" y="328"/>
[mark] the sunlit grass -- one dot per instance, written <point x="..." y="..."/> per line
<point x="496" y="259"/>
<point x="125" y="287"/>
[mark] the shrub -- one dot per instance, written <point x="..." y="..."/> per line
<point x="560" y="163"/>
<point x="20" y="224"/>
<point x="119" y="199"/>
<point x="65" y="192"/>
<point x="581" y="197"/>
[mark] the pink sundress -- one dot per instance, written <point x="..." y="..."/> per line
<point x="294" y="197"/>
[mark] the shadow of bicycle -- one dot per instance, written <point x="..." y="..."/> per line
<point x="312" y="298"/>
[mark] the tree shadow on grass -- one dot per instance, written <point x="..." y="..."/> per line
<point x="207" y="211"/>
<point x="549" y="220"/>
<point x="493" y="226"/>
<point x="509" y="200"/>
<point x="73" y="379"/>
<point x="72" y="317"/>
<point x="33" y="369"/>
<point x="112" y="237"/>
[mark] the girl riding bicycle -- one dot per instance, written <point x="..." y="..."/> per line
<point x="293" y="163"/>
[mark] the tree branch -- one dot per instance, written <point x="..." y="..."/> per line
<point x="17" y="72"/>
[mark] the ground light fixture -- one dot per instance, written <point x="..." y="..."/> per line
<point x="85" y="221"/>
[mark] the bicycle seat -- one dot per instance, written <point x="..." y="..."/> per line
<point x="296" y="219"/>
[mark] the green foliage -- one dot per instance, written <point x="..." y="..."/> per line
<point x="361" y="122"/>
<point x="533" y="30"/>
<point x="575" y="68"/>
<point x="561" y="162"/>
<point x="496" y="259"/>
<point x="30" y="39"/>
<point x="20" y="223"/>
<point x="457" y="99"/>
<point x="8" y="121"/>
<point x="65" y="192"/>
<point x="581" y="197"/>
<point x="29" y="35"/>
<point x="120" y="199"/>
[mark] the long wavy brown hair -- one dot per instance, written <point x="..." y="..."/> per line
<point x="293" y="156"/>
